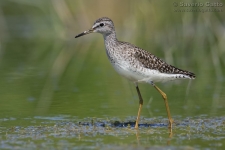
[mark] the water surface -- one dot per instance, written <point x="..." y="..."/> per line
<point x="60" y="92"/>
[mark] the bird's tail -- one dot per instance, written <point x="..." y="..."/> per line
<point x="184" y="74"/>
<point x="190" y="74"/>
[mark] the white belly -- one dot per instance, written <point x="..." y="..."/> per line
<point x="144" y="75"/>
<point x="127" y="72"/>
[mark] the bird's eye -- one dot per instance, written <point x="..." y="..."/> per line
<point x="101" y="24"/>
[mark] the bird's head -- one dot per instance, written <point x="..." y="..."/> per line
<point x="102" y="25"/>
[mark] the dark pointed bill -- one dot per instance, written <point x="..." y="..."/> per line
<point x="84" y="33"/>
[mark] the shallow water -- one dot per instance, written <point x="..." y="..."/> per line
<point x="93" y="133"/>
<point x="59" y="92"/>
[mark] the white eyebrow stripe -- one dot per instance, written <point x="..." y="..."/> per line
<point x="97" y="24"/>
<point x="94" y="26"/>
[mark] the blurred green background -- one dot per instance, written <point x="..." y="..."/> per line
<point x="45" y="71"/>
<point x="49" y="78"/>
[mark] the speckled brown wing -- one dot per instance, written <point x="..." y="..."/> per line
<point x="150" y="61"/>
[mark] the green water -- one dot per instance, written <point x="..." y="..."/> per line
<point x="51" y="81"/>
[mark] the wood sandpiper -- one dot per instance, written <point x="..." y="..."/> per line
<point x="136" y="64"/>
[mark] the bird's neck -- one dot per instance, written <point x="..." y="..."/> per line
<point x="110" y="39"/>
<point x="111" y="43"/>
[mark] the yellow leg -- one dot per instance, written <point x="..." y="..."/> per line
<point x="140" y="106"/>
<point x="167" y="108"/>
<point x="138" y="116"/>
